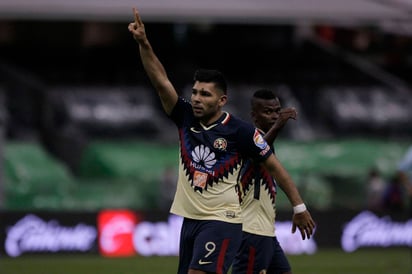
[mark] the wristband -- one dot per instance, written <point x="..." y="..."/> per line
<point x="299" y="209"/>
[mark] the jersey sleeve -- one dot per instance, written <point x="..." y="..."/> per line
<point x="252" y="144"/>
<point x="181" y="111"/>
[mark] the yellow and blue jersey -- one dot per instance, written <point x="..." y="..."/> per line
<point x="257" y="198"/>
<point x="211" y="157"/>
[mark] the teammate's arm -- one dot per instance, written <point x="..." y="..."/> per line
<point x="303" y="220"/>
<point x="284" y="115"/>
<point x="152" y="65"/>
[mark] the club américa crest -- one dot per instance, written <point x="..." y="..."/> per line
<point x="220" y="144"/>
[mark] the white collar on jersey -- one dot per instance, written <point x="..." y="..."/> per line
<point x="222" y="120"/>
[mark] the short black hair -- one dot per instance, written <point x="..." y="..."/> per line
<point x="266" y="94"/>
<point x="211" y="76"/>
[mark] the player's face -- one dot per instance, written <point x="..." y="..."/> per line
<point x="265" y="113"/>
<point x="207" y="102"/>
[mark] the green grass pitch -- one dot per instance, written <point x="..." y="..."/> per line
<point x="325" y="261"/>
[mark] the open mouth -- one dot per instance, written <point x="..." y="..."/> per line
<point x="197" y="109"/>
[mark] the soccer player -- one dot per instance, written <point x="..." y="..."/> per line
<point x="213" y="146"/>
<point x="404" y="173"/>
<point x="260" y="251"/>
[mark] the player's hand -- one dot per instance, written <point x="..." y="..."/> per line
<point x="288" y="113"/>
<point x="137" y="27"/>
<point x="304" y="222"/>
<point x="284" y="115"/>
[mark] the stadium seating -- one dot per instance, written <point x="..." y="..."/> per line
<point x="30" y="172"/>
<point x="36" y="180"/>
<point x="84" y="129"/>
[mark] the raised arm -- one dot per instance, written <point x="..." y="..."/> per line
<point x="301" y="217"/>
<point x="284" y="115"/>
<point x="153" y="67"/>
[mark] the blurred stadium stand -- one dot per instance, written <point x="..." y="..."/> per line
<point x="84" y="130"/>
<point x="74" y="116"/>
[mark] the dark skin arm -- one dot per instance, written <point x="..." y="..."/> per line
<point x="284" y="115"/>
<point x="302" y="221"/>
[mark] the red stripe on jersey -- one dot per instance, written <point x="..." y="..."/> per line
<point x="221" y="258"/>
<point x="227" y="118"/>
<point x="251" y="260"/>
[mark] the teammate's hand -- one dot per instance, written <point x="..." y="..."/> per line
<point x="284" y="115"/>
<point x="304" y="222"/>
<point x="288" y="113"/>
<point x="137" y="27"/>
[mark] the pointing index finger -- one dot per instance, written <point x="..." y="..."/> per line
<point x="137" y="19"/>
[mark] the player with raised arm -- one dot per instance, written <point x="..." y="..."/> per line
<point x="213" y="146"/>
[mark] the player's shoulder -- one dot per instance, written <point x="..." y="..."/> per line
<point x="239" y="122"/>
<point x="182" y="107"/>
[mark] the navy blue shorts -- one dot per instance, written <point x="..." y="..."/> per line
<point x="257" y="253"/>
<point x="208" y="246"/>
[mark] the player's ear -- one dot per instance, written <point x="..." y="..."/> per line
<point x="222" y="100"/>
<point x="252" y="114"/>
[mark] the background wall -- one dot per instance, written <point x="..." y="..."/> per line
<point x="80" y="115"/>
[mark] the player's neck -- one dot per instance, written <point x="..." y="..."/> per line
<point x="208" y="121"/>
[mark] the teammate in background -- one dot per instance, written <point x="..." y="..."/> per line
<point x="213" y="146"/>
<point x="393" y="198"/>
<point x="260" y="251"/>
<point x="375" y="190"/>
<point x="404" y="174"/>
